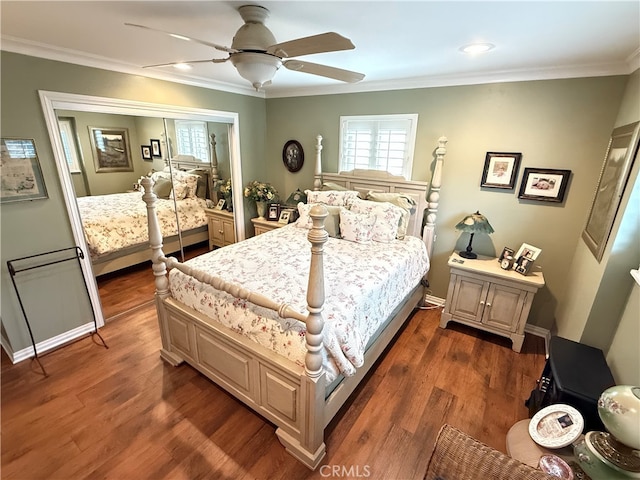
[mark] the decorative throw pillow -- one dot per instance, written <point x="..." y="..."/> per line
<point x="356" y="227"/>
<point x="331" y="223"/>
<point x="331" y="197"/>
<point x="162" y="187"/>
<point x="387" y="217"/>
<point x="190" y="180"/>
<point x="203" y="180"/>
<point x="180" y="190"/>
<point x="399" y="199"/>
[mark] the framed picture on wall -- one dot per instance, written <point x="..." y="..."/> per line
<point x="111" y="150"/>
<point x="618" y="160"/>
<point x="500" y="170"/>
<point x="20" y="174"/>
<point x="544" y="184"/>
<point x="146" y="152"/>
<point x="155" y="148"/>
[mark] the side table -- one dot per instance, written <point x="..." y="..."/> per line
<point x="521" y="447"/>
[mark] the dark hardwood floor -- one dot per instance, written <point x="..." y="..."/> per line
<point x="121" y="413"/>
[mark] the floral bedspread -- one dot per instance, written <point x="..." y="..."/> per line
<point x="363" y="285"/>
<point x="116" y="221"/>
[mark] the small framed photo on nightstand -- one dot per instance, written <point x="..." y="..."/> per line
<point x="285" y="217"/>
<point x="220" y="204"/>
<point x="274" y="212"/>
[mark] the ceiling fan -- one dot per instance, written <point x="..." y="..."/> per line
<point x="256" y="55"/>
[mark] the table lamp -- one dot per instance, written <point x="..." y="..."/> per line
<point x="474" y="223"/>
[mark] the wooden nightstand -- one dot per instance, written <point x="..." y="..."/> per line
<point x="222" y="229"/>
<point x="262" y="226"/>
<point x="484" y="296"/>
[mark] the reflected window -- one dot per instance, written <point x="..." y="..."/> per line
<point x="192" y="139"/>
<point x="69" y="144"/>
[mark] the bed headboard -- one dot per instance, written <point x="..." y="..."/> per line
<point x="425" y="195"/>
<point x="209" y="170"/>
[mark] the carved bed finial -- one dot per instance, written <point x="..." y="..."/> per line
<point x="433" y="201"/>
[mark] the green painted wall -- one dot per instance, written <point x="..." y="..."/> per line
<point x="557" y="124"/>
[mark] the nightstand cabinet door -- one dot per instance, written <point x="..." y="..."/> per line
<point x="503" y="307"/>
<point x="222" y="230"/>
<point x="468" y="298"/>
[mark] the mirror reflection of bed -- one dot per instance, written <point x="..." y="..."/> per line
<point x="192" y="157"/>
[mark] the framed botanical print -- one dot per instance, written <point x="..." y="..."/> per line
<point x="618" y="160"/>
<point x="20" y="174"/>
<point x="111" y="150"/>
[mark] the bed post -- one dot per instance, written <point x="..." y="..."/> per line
<point x="214" y="177"/>
<point x="311" y="449"/>
<point x="429" y="233"/>
<point x="317" y="178"/>
<point x="159" y="270"/>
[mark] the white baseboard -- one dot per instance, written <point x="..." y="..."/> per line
<point x="540" y="332"/>
<point x="435" y="301"/>
<point x="49" y="344"/>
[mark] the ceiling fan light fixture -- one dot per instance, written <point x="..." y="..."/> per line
<point x="476" y="48"/>
<point x="257" y="68"/>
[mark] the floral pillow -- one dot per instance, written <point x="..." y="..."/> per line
<point x="188" y="179"/>
<point x="331" y="197"/>
<point x="356" y="227"/>
<point x="387" y="218"/>
<point x="401" y="200"/>
<point x="331" y="223"/>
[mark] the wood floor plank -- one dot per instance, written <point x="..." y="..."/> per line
<point x="123" y="413"/>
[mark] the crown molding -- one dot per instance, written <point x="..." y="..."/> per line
<point x="631" y="64"/>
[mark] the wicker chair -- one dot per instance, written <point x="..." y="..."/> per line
<point x="457" y="456"/>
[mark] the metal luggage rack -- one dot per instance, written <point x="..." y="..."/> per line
<point x="13" y="271"/>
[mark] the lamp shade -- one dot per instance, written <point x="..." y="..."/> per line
<point x="475" y="223"/>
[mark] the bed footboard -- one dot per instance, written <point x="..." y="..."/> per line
<point x="290" y="396"/>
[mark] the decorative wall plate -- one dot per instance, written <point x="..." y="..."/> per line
<point x="293" y="156"/>
<point x="556" y="426"/>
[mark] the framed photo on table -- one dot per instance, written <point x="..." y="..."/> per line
<point x="544" y="184"/>
<point x="285" y="217"/>
<point x="618" y="160"/>
<point x="274" y="212"/>
<point x="20" y="174"/>
<point x="500" y="170"/>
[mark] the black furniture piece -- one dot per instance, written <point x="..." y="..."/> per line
<point x="575" y="374"/>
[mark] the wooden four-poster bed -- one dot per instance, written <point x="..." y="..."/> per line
<point x="236" y="314"/>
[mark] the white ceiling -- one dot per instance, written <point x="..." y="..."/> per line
<point x="408" y="44"/>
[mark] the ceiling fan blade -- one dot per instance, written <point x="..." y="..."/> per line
<point x="184" y="37"/>
<point x="325" y="42"/>
<point x="189" y="62"/>
<point x="324" y="71"/>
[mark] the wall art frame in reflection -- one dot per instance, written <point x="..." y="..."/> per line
<point x="614" y="175"/>
<point x="544" y="184"/>
<point x="155" y="148"/>
<point x="111" y="149"/>
<point x="20" y="173"/>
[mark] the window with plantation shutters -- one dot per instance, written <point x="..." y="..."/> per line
<point x="67" y="134"/>
<point x="378" y="142"/>
<point x="192" y="139"/>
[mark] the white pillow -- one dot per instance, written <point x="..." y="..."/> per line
<point x="356" y="227"/>
<point x="387" y="216"/>
<point x="330" y="197"/>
